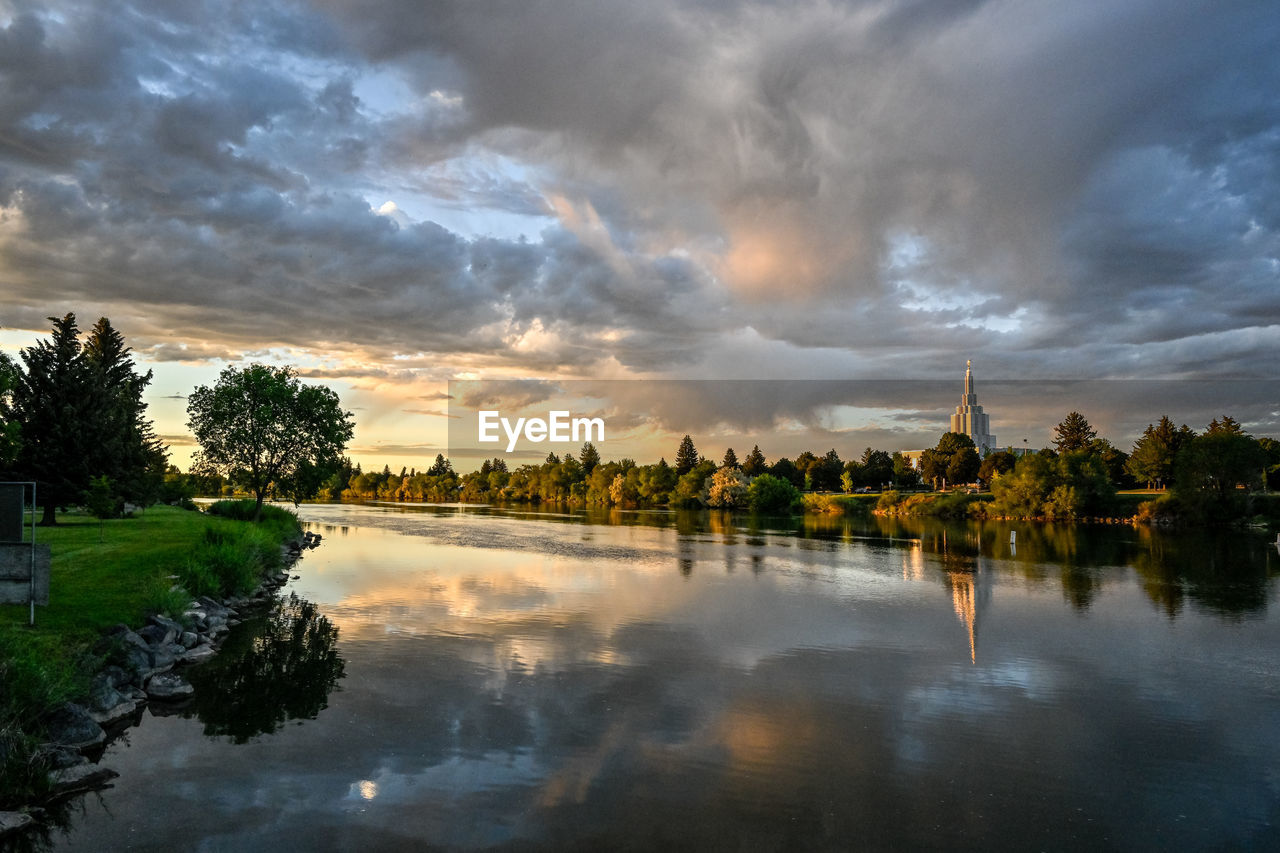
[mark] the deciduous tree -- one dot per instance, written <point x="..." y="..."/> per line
<point x="264" y="425"/>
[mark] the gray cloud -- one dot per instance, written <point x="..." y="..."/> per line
<point x="725" y="189"/>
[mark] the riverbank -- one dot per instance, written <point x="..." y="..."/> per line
<point x="167" y="572"/>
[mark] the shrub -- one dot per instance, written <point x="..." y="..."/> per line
<point x="768" y="493"/>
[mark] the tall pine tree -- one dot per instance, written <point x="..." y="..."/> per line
<point x="52" y="403"/>
<point x="686" y="456"/>
<point x="127" y="449"/>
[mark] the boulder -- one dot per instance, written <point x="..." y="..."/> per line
<point x="57" y="757"/>
<point x="199" y="654"/>
<point x="167" y="624"/>
<point x="14" y="822"/>
<point x="189" y="639"/>
<point x="103" y="694"/>
<point x="156" y="635"/>
<point x="138" y="659"/>
<point x="70" y="725"/>
<point x="82" y="777"/>
<point x="168" y="685"/>
<point x="115" y="714"/>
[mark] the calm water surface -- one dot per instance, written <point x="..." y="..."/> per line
<point x="459" y="678"/>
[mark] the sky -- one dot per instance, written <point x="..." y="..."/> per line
<point x="392" y="195"/>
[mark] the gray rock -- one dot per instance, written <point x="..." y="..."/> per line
<point x="13" y="822"/>
<point x="131" y="638"/>
<point x="189" y="639"/>
<point x="103" y="694"/>
<point x="110" y="716"/>
<point x="82" y="777"/>
<point x="164" y="657"/>
<point x="138" y="659"/>
<point x="169" y="685"/>
<point x="199" y="654"/>
<point x="117" y="677"/>
<point x="71" y="726"/>
<point x="58" y="757"/>
<point x="167" y="624"/>
<point x="156" y="635"/>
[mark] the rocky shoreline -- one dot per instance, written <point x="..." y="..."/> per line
<point x="146" y="674"/>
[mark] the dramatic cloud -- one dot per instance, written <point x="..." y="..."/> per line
<point x="727" y="189"/>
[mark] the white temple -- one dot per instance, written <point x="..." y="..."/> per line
<point x="970" y="419"/>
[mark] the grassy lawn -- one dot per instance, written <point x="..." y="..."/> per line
<point x="101" y="578"/>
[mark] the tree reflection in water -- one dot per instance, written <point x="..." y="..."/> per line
<point x="275" y="668"/>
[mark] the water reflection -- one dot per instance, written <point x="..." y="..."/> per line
<point x="521" y="681"/>
<point x="276" y="668"/>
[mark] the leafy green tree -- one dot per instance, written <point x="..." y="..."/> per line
<point x="1074" y="433"/>
<point x="730" y="459"/>
<point x="847" y="480"/>
<point x="996" y="464"/>
<point x="935" y="463"/>
<point x="1219" y="461"/>
<point x="754" y="463"/>
<point x="686" y="456"/>
<point x="785" y="469"/>
<point x="1271" y="474"/>
<point x="263" y="423"/>
<point x="727" y="488"/>
<point x="100" y="500"/>
<point x="963" y="467"/>
<point x="826" y="474"/>
<point x="1116" y="461"/>
<point x="904" y="473"/>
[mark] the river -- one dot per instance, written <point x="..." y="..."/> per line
<point x="480" y="678"/>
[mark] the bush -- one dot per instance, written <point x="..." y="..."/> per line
<point x="284" y="520"/>
<point x="231" y="561"/>
<point x="836" y="504"/>
<point x="769" y="494"/>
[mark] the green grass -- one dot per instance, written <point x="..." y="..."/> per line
<point x="94" y="585"/>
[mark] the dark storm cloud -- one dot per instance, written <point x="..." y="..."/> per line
<point x="716" y="187"/>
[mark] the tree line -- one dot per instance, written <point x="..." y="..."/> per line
<point x="1076" y="476"/>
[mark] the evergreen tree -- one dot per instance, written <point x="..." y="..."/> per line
<point x="754" y="464"/>
<point x="1227" y="426"/>
<point x="730" y="459"/>
<point x="877" y="467"/>
<point x="440" y="467"/>
<point x="1074" y="433"/>
<point x="686" y="456"/>
<point x="1154" y="454"/>
<point x="499" y="464"/>
<point x="127" y="450"/>
<point x="10" y="429"/>
<point x="53" y="404"/>
<point x="589" y="458"/>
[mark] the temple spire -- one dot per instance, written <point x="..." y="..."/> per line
<point x="968" y="377"/>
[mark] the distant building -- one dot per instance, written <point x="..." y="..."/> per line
<point x="969" y="418"/>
